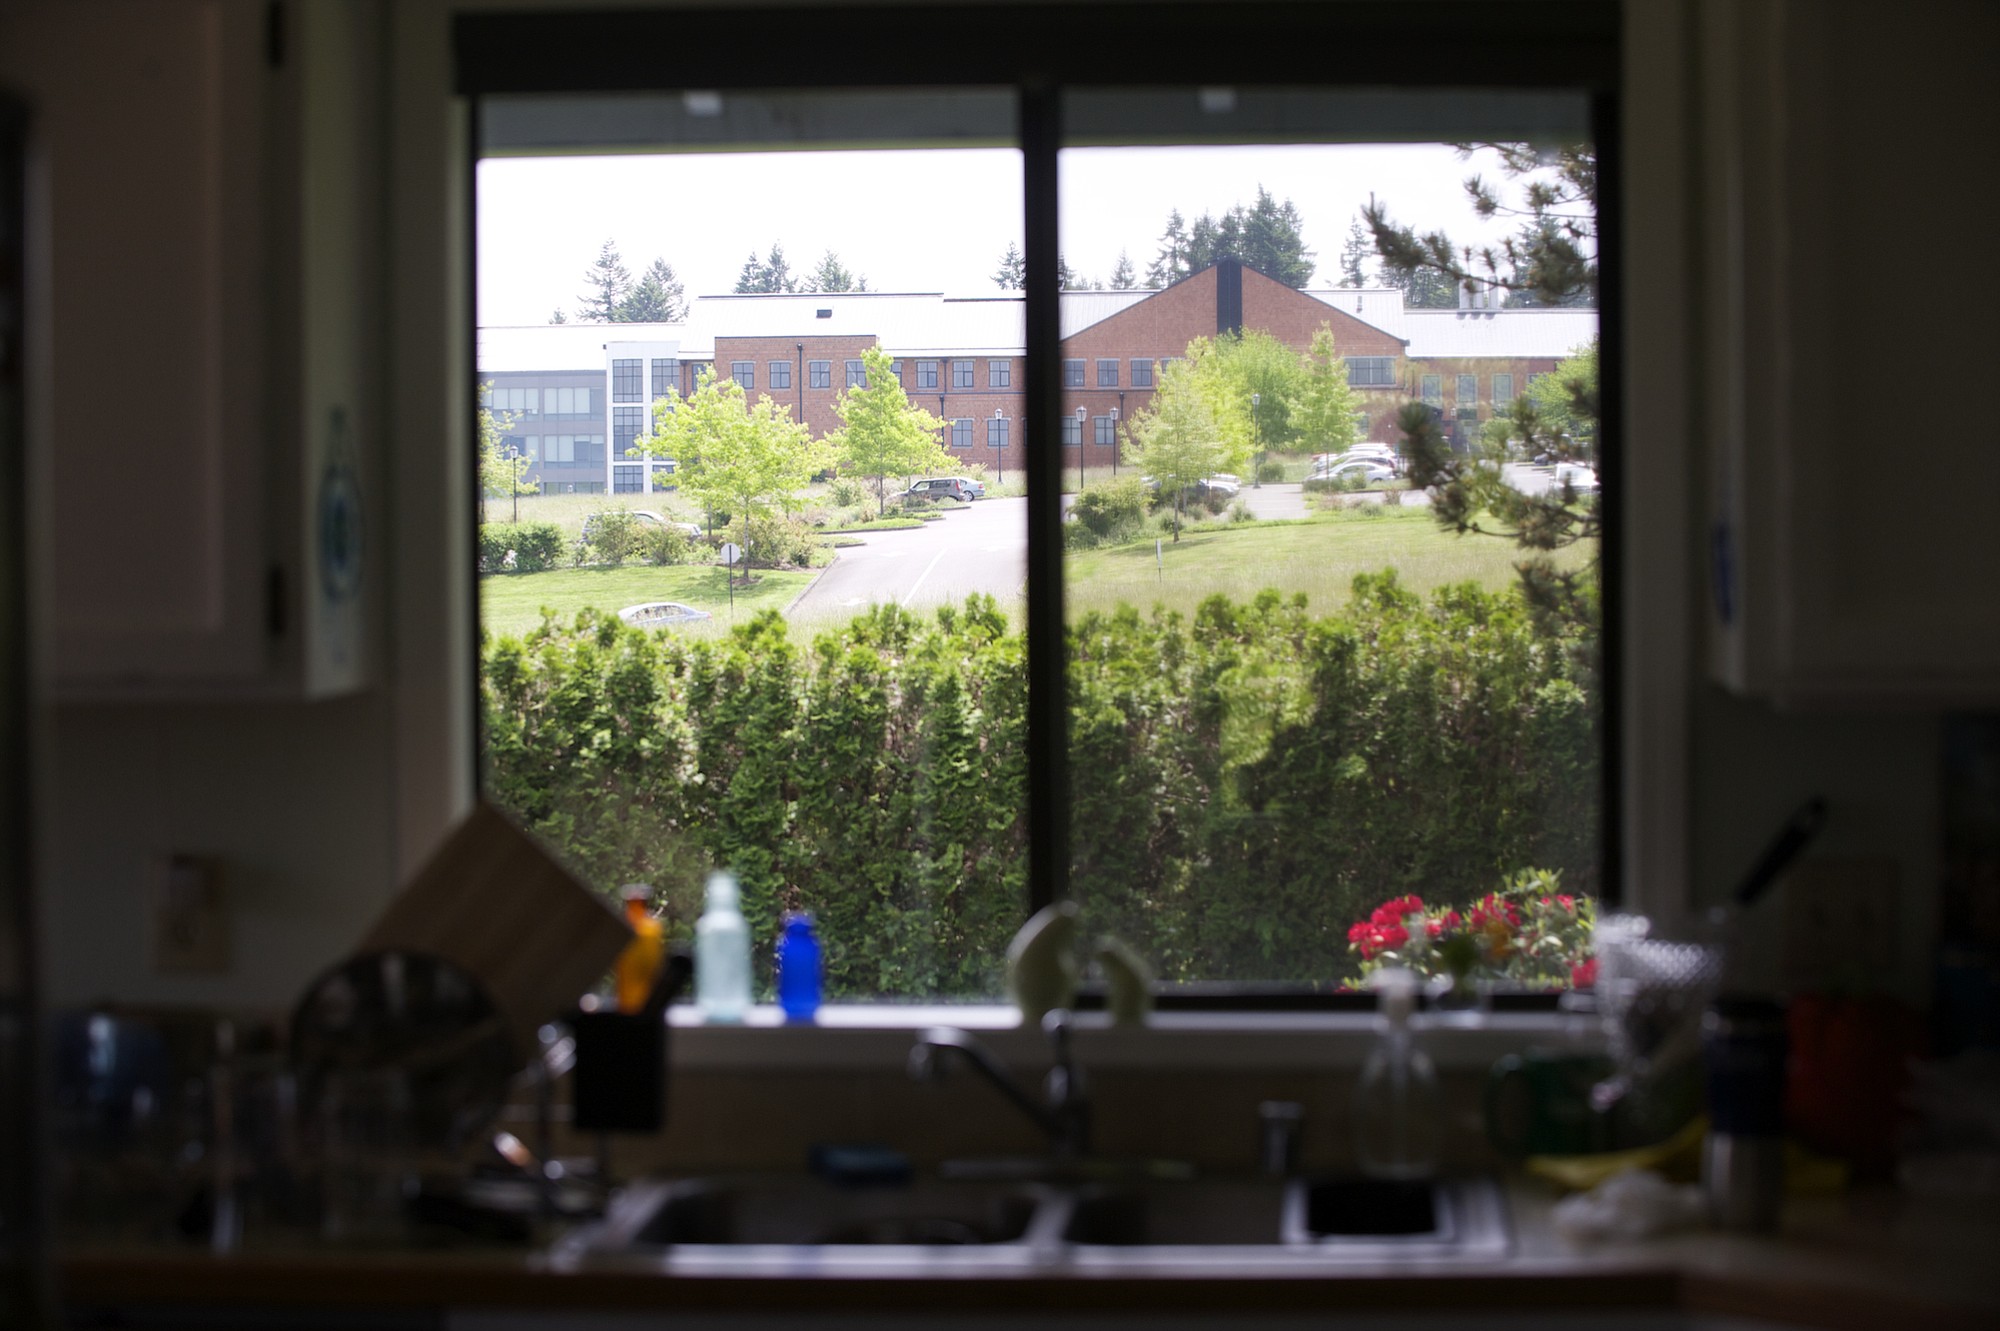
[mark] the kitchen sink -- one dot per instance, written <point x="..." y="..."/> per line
<point x="1305" y="1220"/>
<point x="810" y="1212"/>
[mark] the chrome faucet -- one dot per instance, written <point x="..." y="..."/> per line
<point x="1064" y="1114"/>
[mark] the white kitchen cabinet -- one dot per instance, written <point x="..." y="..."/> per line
<point x="201" y="287"/>
<point x="1847" y="342"/>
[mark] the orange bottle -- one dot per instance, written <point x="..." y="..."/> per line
<point x="639" y="963"/>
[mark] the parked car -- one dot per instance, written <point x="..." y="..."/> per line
<point x="659" y="614"/>
<point x="943" y="487"/>
<point x="978" y="486"/>
<point x="1368" y="471"/>
<point x="645" y="517"/>
<point x="1579" y="477"/>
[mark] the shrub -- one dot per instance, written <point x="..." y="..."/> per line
<point x="776" y="540"/>
<point x="1113" y="510"/>
<point x="613" y="536"/>
<point x="1268" y="472"/>
<point x="535" y="546"/>
<point x="1240" y="512"/>
<point x="847" y="492"/>
<point x="669" y="545"/>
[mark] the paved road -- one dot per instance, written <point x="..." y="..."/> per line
<point x="981" y="547"/>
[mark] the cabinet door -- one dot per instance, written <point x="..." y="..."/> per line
<point x="1850" y="342"/>
<point x="149" y="327"/>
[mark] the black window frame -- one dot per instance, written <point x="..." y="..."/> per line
<point x="1072" y="431"/>
<point x="999" y="373"/>
<point x="819" y="374"/>
<point x="1103" y="431"/>
<point x="1140" y="363"/>
<point x="961" y="432"/>
<point x="857" y="374"/>
<point x="665" y="368"/>
<point x="1040" y="51"/>
<point x="1072" y="371"/>
<point x="1107" y="372"/>
<point x="778" y="374"/>
<point x="741" y="370"/>
<point x="927" y="374"/>
<point x="1371" y="371"/>
<point x="999" y="434"/>
<point x="628" y="379"/>
<point x="963" y="375"/>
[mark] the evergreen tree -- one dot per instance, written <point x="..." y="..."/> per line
<point x="1355" y="254"/>
<point x="1428" y="289"/>
<point x="769" y="275"/>
<point x="658" y="298"/>
<point x="1068" y="279"/>
<point x="832" y="275"/>
<point x="1123" y="278"/>
<point x="609" y="282"/>
<point x="1553" y="259"/>
<point x="1012" y="274"/>
<point x="1170" y="265"/>
<point x="558" y="317"/>
<point x="1271" y="240"/>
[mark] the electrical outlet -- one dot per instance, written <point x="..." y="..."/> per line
<point x="190" y="916"/>
<point x="1841" y="925"/>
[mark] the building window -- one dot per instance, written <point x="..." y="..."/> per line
<point x="1072" y="431"/>
<point x="744" y="372"/>
<point x="999" y="374"/>
<point x="627" y="424"/>
<point x="1371" y="371"/>
<point x="857" y="374"/>
<point x="514" y="401"/>
<point x="961" y="374"/>
<point x="1433" y="390"/>
<point x="779" y="374"/>
<point x="927" y="371"/>
<point x="961" y="432"/>
<point x="1101" y="429"/>
<point x="627" y="480"/>
<point x="1166" y="361"/>
<point x="574" y="403"/>
<point x="572" y="449"/>
<point x="1107" y="373"/>
<point x="1467" y="392"/>
<point x="666" y="379"/>
<point x="1072" y="374"/>
<point x="996" y="430"/>
<point x="1503" y="391"/>
<point x="819" y="374"/>
<point x="1142" y="372"/>
<point x="625" y="381"/>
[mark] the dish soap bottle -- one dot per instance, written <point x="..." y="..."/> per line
<point x="1397" y="1113"/>
<point x="639" y="964"/>
<point x="722" y="953"/>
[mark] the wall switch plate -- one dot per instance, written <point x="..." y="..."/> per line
<point x="1841" y="925"/>
<point x="190" y="916"/>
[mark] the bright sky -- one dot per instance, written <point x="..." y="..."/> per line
<point x="917" y="221"/>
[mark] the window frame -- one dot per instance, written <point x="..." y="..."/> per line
<point x="819" y="374"/>
<point x="927" y="374"/>
<point x="778" y="374"/>
<point x="1133" y="371"/>
<point x="1525" y="54"/>
<point x="964" y="374"/>
<point x="999" y="373"/>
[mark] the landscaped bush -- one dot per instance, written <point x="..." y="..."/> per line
<point x="1271" y="472"/>
<point x="1248" y="782"/>
<point x="1111" y="511"/>
<point x="535" y="546"/>
<point x="610" y="537"/>
<point x="846" y="492"/>
<point x="780" y="541"/>
<point x="670" y="545"/>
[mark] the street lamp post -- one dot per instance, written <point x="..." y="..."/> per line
<point x="514" y="478"/>
<point x="1257" y="424"/>
<point x="1082" y="416"/>
<point x="999" y="450"/>
<point x="1117" y="415"/>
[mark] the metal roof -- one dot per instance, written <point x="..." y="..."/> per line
<point x="932" y="323"/>
<point x="1444" y="334"/>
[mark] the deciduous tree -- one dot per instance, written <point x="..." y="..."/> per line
<point x="501" y="472"/>
<point x="882" y="432"/>
<point x="1175" y="439"/>
<point x="1323" y="418"/>
<point x="743" y="458"/>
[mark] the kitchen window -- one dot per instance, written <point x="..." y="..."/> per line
<point x="1267" y="738"/>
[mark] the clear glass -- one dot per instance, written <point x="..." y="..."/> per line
<point x="1317" y="729"/>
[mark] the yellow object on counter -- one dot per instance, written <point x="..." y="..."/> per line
<point x="1678" y="1158"/>
<point x="639" y="964"/>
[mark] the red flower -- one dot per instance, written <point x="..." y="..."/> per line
<point x="1371" y="939"/>
<point x="1567" y="903"/>
<point x="1395" y="911"/>
<point x="1493" y="912"/>
<point x="1584" y="974"/>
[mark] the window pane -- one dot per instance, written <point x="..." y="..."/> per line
<point x="847" y="735"/>
<point x="1300" y="700"/>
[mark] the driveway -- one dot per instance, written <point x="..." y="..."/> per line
<point x="979" y="547"/>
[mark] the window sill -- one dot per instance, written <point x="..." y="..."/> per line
<point x="879" y="1036"/>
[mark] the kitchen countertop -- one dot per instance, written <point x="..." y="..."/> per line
<point x="1868" y="1260"/>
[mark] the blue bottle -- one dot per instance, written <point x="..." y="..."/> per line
<point x="798" y="968"/>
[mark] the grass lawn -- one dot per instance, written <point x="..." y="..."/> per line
<point x="1319" y="557"/>
<point x="511" y="603"/>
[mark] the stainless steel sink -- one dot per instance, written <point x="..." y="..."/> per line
<point x="1302" y="1221"/>
<point x="808" y="1212"/>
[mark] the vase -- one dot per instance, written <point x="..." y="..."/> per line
<point x="1460" y="1000"/>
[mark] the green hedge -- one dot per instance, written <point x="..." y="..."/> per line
<point x="535" y="545"/>
<point x="1246" y="783"/>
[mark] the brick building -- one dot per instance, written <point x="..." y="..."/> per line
<point x="961" y="358"/>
